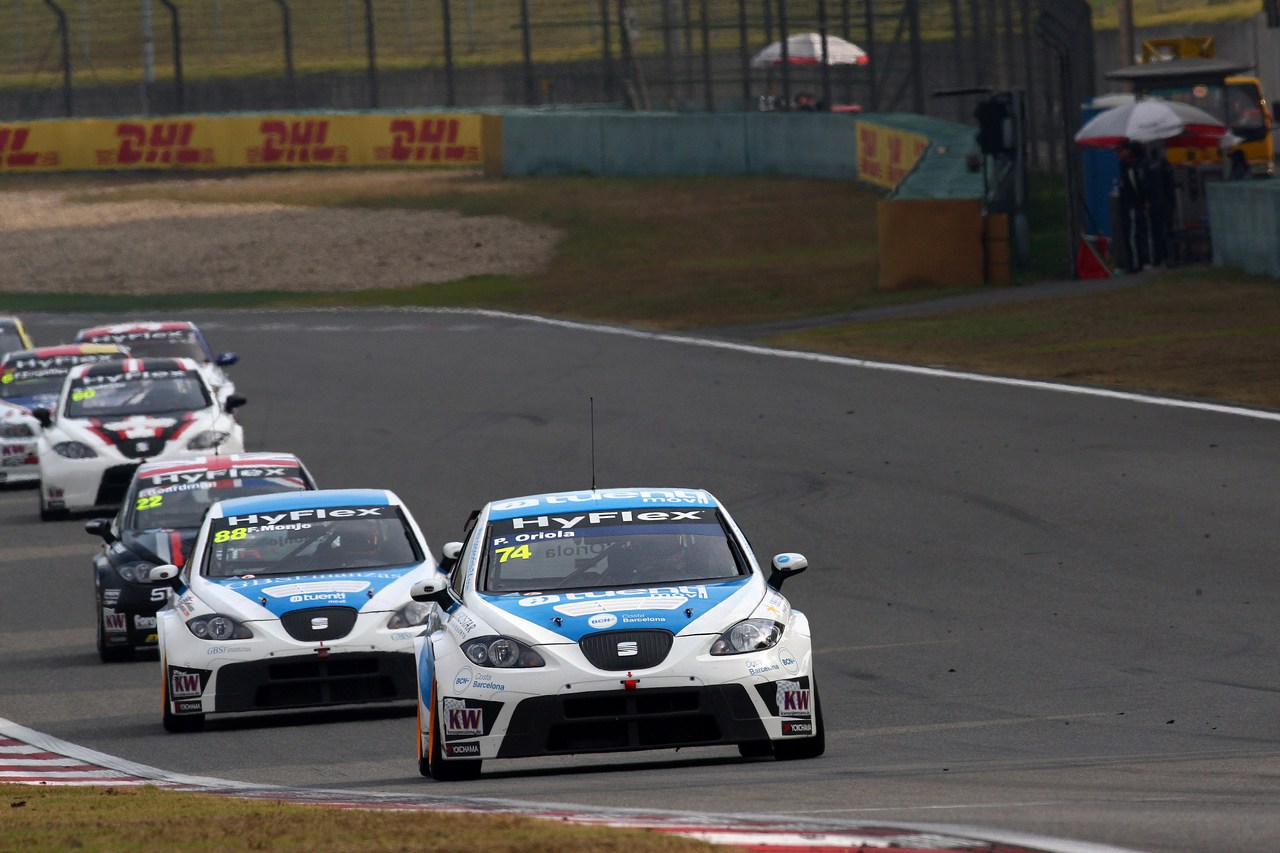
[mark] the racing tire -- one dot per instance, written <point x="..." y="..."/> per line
<point x="810" y="747"/>
<point x="458" y="770"/>
<point x="177" y="723"/>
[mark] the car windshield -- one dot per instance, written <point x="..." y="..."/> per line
<point x="183" y="505"/>
<point x="29" y="383"/>
<point x="178" y="344"/>
<point x="10" y="340"/>
<point x="150" y="392"/>
<point x="639" y="547"/>
<point x="307" y="541"/>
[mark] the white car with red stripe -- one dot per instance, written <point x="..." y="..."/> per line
<point x="168" y="339"/>
<point x="113" y="416"/>
<point x="18" y="431"/>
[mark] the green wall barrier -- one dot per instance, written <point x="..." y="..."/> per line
<point x="1244" y="219"/>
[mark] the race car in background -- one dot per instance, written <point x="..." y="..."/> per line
<point x="114" y="415"/>
<point x="13" y="335"/>
<point x="32" y="378"/>
<point x="18" y="431"/>
<point x="294" y="600"/>
<point x="157" y="525"/>
<point x="607" y="621"/>
<point x="169" y="339"/>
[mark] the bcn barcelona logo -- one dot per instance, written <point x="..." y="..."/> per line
<point x="304" y="141"/>
<point x="430" y="140"/>
<point x="13" y="153"/>
<point x="156" y="143"/>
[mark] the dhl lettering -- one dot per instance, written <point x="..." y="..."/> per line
<point x="296" y="142"/>
<point x="165" y="142"/>
<point x="13" y="142"/>
<point x="430" y="140"/>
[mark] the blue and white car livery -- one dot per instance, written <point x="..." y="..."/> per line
<point x="606" y="621"/>
<point x="294" y="600"/>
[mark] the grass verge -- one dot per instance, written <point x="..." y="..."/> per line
<point x="142" y="820"/>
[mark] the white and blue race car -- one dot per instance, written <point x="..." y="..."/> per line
<point x="606" y="621"/>
<point x="293" y="600"/>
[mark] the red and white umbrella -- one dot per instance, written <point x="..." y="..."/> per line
<point x="1149" y="120"/>
<point x="806" y="49"/>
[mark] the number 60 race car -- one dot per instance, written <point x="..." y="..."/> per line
<point x="607" y="621"/>
<point x="293" y="600"/>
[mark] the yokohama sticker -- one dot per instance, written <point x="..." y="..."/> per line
<point x="795" y="727"/>
<point x="463" y="749"/>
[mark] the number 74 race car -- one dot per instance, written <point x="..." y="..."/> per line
<point x="607" y="621"/>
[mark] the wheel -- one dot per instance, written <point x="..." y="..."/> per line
<point x="433" y="764"/>
<point x="110" y="654"/>
<point x="810" y="747"/>
<point x="176" y="723"/>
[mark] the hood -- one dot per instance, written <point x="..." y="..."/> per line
<point x="140" y="436"/>
<point x="359" y="590"/>
<point x="677" y="609"/>
<point x="160" y="546"/>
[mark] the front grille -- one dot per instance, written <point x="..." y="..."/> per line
<point x="314" y="624"/>
<point x="115" y="482"/>
<point x="615" y="651"/>
<point x="624" y="720"/>
<point x="141" y="448"/>
<point x="301" y="682"/>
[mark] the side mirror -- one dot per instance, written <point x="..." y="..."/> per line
<point x="786" y="566"/>
<point x="225" y="359"/>
<point x="165" y="573"/>
<point x="234" y="402"/>
<point x="100" y="527"/>
<point x="449" y="555"/>
<point x="432" y="590"/>
<point x="43" y="415"/>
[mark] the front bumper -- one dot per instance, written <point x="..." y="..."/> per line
<point x="308" y="681"/>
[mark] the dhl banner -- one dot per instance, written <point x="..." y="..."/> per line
<point x="886" y="155"/>
<point x="229" y="142"/>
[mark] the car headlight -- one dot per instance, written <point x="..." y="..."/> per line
<point x="749" y="635"/>
<point x="16" y="430"/>
<point x="208" y="440"/>
<point x="502" y="652"/>
<point x="218" y="627"/>
<point x="413" y="613"/>
<point x="136" y="572"/>
<point x="74" y="450"/>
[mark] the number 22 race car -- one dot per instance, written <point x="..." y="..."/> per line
<point x="608" y="621"/>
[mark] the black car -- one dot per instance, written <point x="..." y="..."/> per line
<point x="157" y="525"/>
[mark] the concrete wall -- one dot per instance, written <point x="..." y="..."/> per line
<point x="1244" y="219"/>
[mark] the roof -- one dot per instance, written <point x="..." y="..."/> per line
<point x="1189" y="70"/>
<point x="601" y="499"/>
<point x="320" y="498"/>
<point x="218" y="463"/>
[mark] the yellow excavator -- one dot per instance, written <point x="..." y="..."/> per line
<point x="1187" y="69"/>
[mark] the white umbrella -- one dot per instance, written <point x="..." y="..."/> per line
<point x="1147" y="120"/>
<point x="806" y="49"/>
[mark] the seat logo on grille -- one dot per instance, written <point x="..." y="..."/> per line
<point x="319" y="623"/>
<point x="628" y="648"/>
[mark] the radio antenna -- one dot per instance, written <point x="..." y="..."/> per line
<point x="593" y="443"/>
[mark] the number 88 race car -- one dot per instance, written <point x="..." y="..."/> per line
<point x="609" y="621"/>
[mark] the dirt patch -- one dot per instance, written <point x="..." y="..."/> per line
<point x="50" y="244"/>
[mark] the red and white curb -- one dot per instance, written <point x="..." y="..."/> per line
<point x="34" y="758"/>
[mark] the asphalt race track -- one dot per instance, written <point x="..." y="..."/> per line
<point x="1033" y="610"/>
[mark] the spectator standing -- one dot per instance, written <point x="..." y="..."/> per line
<point x="1158" y="201"/>
<point x="1133" y="215"/>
